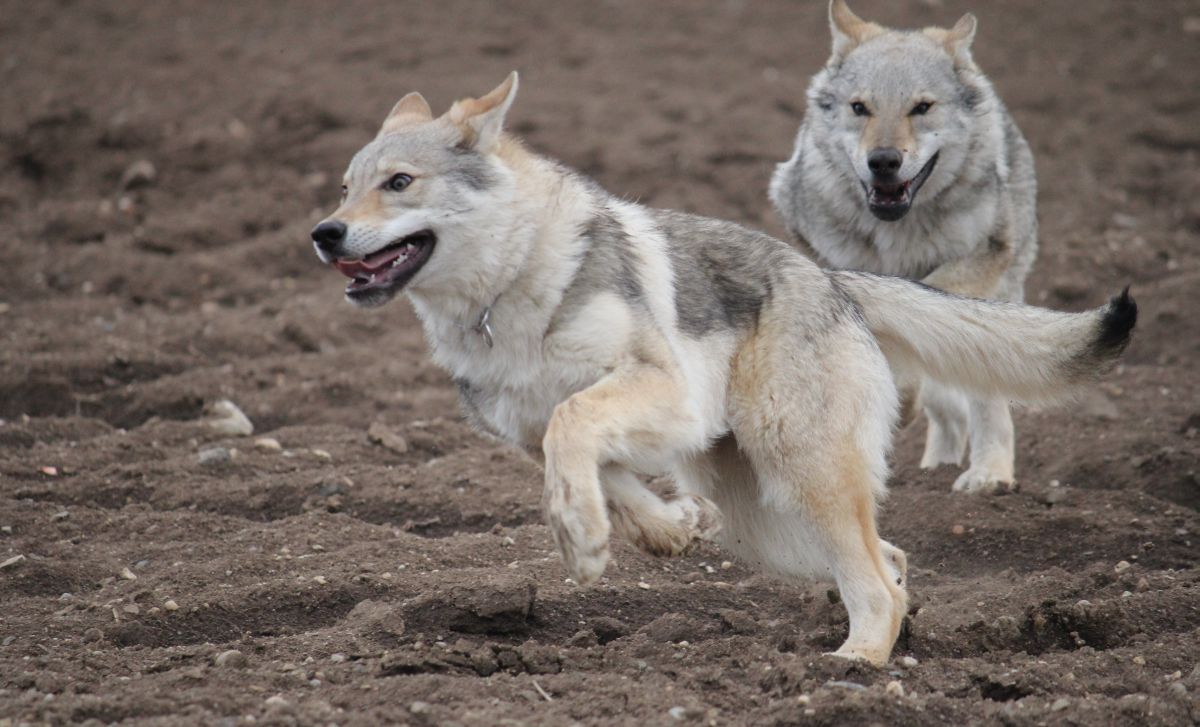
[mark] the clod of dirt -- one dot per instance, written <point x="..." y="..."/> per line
<point x="739" y="622"/>
<point x="673" y="627"/>
<point x="499" y="604"/>
<point x="232" y="659"/>
<point x="379" y="433"/>
<point x="229" y="420"/>
<point x="375" y="618"/>
<point x="608" y="628"/>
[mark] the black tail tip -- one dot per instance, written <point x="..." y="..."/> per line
<point x="1117" y="324"/>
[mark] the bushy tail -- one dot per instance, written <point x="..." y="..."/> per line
<point x="1029" y="354"/>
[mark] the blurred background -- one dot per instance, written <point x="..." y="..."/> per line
<point x="162" y="164"/>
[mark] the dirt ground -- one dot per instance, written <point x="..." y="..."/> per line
<point x="160" y="167"/>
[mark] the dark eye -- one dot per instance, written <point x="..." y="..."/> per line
<point x="397" y="183"/>
<point x="921" y="109"/>
<point x="859" y="109"/>
<point x="344" y="192"/>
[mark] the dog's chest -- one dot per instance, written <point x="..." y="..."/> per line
<point x="511" y="389"/>
<point x="912" y="248"/>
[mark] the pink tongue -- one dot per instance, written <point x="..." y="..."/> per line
<point x="368" y="265"/>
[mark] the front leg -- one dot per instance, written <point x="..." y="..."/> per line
<point x="633" y="414"/>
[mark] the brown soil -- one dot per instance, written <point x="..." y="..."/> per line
<point x="365" y="585"/>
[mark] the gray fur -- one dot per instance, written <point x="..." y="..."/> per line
<point x="472" y="169"/>
<point x="813" y="189"/>
<point x="472" y="399"/>
<point x="723" y="272"/>
<point x="972" y="227"/>
<point x="608" y="264"/>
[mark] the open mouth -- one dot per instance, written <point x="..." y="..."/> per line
<point x="889" y="201"/>
<point x="388" y="269"/>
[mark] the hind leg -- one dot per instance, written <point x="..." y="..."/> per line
<point x="947" y="412"/>
<point x="991" y="448"/>
<point x="814" y="422"/>
<point x="658" y="526"/>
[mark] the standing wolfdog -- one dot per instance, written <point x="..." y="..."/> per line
<point x="612" y="339"/>
<point x="908" y="164"/>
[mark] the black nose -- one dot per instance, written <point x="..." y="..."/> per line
<point x="884" y="161"/>
<point x="329" y="234"/>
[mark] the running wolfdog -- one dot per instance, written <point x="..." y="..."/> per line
<point x="609" y="339"/>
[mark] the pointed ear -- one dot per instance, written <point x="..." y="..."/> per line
<point x="958" y="40"/>
<point x="848" y="29"/>
<point x="482" y="119"/>
<point x="411" y="109"/>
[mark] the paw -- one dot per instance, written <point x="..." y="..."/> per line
<point x="586" y="568"/>
<point x="983" y="480"/>
<point x="703" y="517"/>
<point x="584" y="551"/>
<point x="874" y="657"/>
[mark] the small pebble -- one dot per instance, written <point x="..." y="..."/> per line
<point x="894" y="689"/>
<point x="958" y="530"/>
<point x="60" y="515"/>
<point x="213" y="456"/>
<point x="322" y="455"/>
<point x="677" y="713"/>
<point x="1122" y="566"/>
<point x="908" y="662"/>
<point x="320" y="580"/>
<point x="139" y="174"/>
<point x="170" y="605"/>
<point x="419" y="707"/>
<point x="726" y="565"/>
<point x="49" y="471"/>
<point x="128" y="574"/>
<point x="268" y="444"/>
<point x="131" y="609"/>
<point x="643" y="585"/>
<point x="277" y="701"/>
<point x="337" y="658"/>
<point x="229" y="420"/>
<point x="1139" y="660"/>
<point x="1060" y="704"/>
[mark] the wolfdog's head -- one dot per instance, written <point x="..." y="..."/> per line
<point x="897" y="108"/>
<point x="421" y="202"/>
